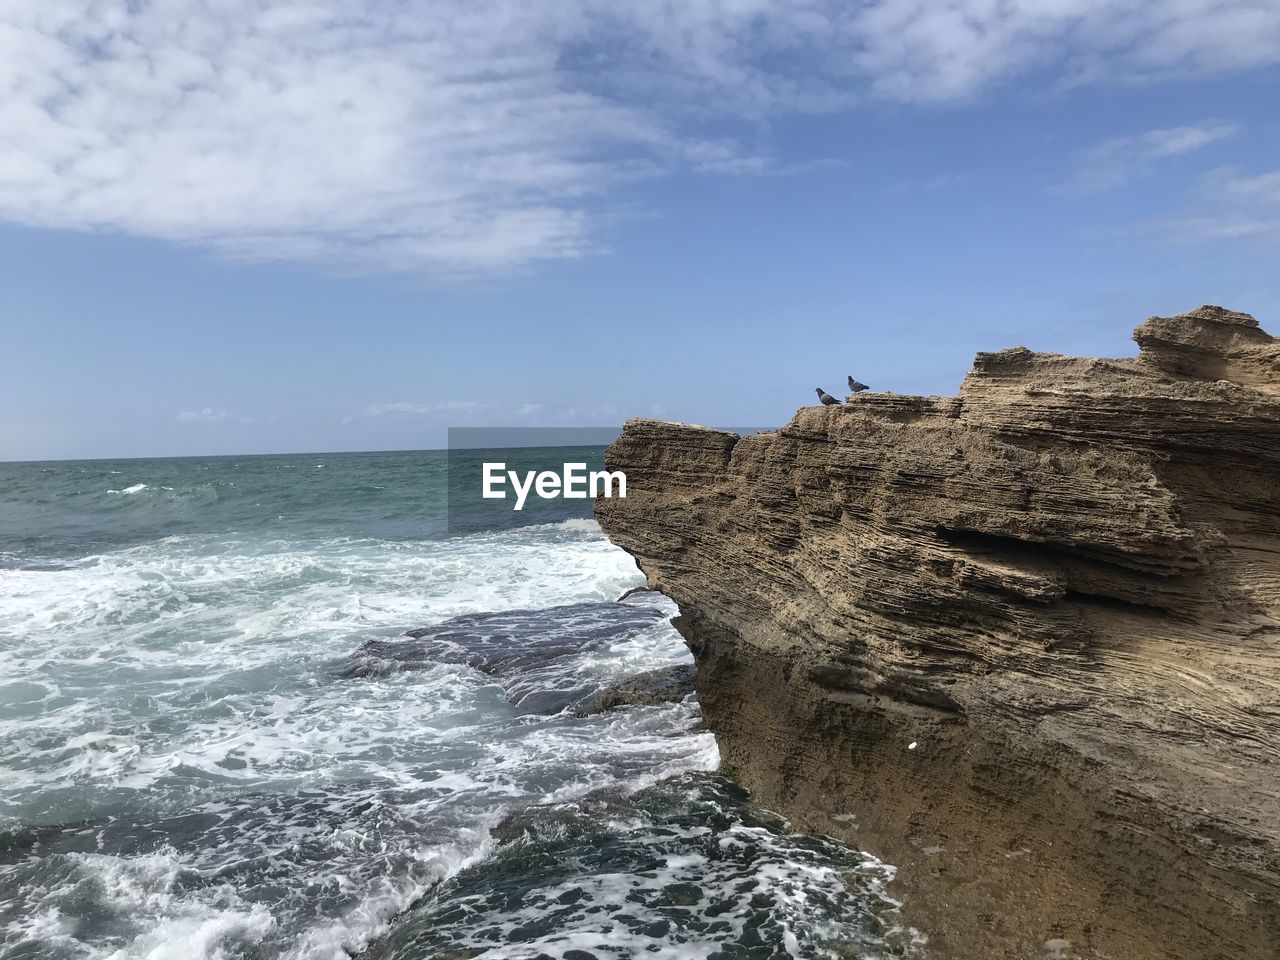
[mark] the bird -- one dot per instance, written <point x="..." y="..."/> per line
<point x="856" y="387"/>
<point x="825" y="397"/>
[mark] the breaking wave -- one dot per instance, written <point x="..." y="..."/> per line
<point x="216" y="742"/>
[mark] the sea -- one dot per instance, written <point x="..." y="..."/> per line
<point x="219" y="741"/>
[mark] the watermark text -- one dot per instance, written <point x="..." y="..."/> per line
<point x="573" y="482"/>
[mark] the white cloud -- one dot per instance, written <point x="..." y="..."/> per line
<point x="591" y="415"/>
<point x="458" y="137"/>
<point x="497" y="413"/>
<point x="1116" y="162"/>
<point x="1228" y="205"/>
<point x="448" y="406"/>
<point x="1263" y="188"/>
<point x="1236" y="205"/>
<point x="206" y="415"/>
<point x="926" y="50"/>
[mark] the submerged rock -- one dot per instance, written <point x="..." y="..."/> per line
<point x="532" y="653"/>
<point x="683" y="868"/>
<point x="666" y="685"/>
<point x="1023" y="642"/>
<point x="561" y="820"/>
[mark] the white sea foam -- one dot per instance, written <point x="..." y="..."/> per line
<point x="203" y="673"/>
<point x="246" y="794"/>
<point x="682" y="874"/>
<point x="135" y="488"/>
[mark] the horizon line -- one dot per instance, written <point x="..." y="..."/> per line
<point x="286" y="453"/>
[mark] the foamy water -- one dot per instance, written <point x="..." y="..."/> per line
<point x="191" y="768"/>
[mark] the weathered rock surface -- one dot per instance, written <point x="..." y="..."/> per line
<point x="664" y="685"/>
<point x="527" y="651"/>
<point x="1023" y="642"/>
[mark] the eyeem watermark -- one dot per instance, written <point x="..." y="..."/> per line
<point x="573" y="482"/>
<point x="501" y="478"/>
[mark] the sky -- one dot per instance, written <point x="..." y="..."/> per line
<point x="233" y="226"/>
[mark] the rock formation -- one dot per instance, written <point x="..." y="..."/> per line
<point x="1023" y="642"/>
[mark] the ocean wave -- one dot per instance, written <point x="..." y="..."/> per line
<point x="576" y="525"/>
<point x="229" y="586"/>
<point x="174" y="694"/>
<point x="719" y="879"/>
<point x="189" y="768"/>
<point x="327" y="812"/>
<point x="136" y="488"/>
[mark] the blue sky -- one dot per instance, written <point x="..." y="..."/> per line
<point x="352" y="225"/>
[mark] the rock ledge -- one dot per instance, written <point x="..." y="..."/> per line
<point x="1061" y="586"/>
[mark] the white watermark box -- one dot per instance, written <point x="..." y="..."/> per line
<point x="499" y="478"/>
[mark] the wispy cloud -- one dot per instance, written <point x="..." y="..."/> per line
<point x="1116" y="162"/>
<point x="1263" y="188"/>
<point x="421" y="409"/>
<point x="590" y="415"/>
<point x="1231" y="205"/>
<point x="205" y="415"/>
<point x="461" y="138"/>
<point x="496" y="413"/>
<point x="1226" y="205"/>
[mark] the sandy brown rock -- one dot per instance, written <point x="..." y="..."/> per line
<point x="1062" y="586"/>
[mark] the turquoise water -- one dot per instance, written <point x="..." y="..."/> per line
<point x="215" y="741"/>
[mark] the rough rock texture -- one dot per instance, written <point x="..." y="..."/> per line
<point x="664" y="685"/>
<point x="1023" y="643"/>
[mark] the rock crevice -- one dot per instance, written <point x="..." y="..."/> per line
<point x="1062" y="585"/>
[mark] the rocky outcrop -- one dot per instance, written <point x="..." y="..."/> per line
<point x="1023" y="642"/>
<point x="664" y="685"/>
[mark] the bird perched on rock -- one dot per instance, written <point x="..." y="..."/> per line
<point x="856" y="387"/>
<point x="825" y="397"/>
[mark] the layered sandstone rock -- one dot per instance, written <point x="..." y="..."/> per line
<point x="1023" y="642"/>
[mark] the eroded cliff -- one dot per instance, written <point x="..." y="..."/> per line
<point x="1023" y="642"/>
